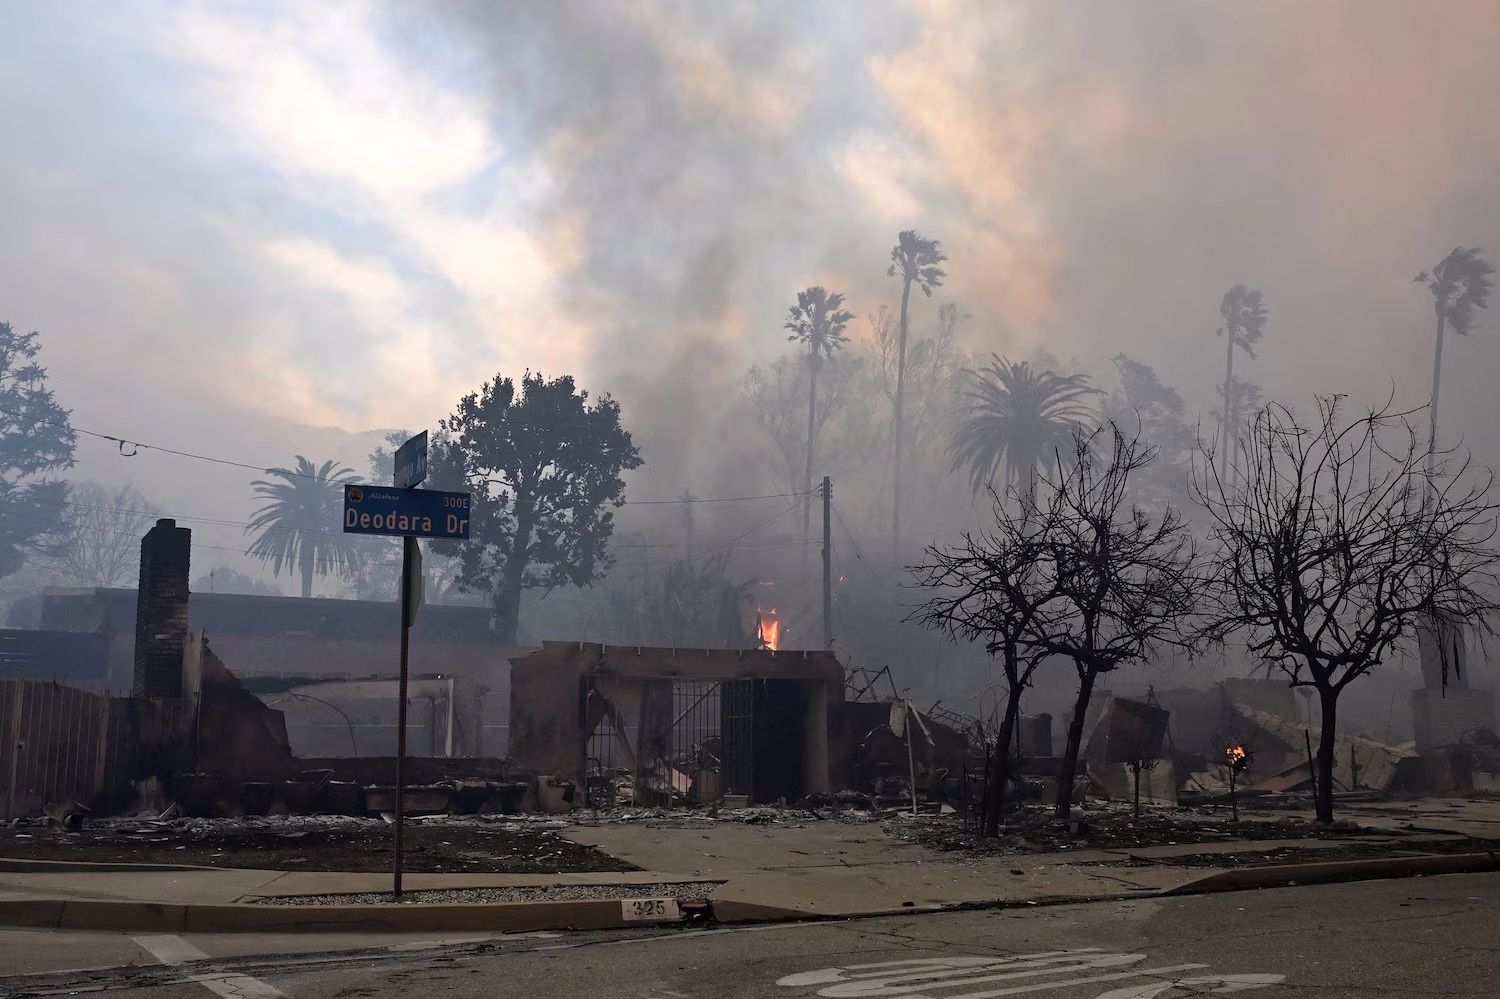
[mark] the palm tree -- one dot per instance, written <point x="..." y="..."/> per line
<point x="817" y="320"/>
<point x="1244" y="316"/>
<point x="1459" y="285"/>
<point x="300" y="521"/>
<point x="1017" y="414"/>
<point x="915" y="258"/>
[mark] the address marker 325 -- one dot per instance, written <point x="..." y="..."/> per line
<point x="1072" y="973"/>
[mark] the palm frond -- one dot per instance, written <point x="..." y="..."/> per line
<point x="1244" y="313"/>
<point x="1016" y="414"/>
<point x="818" y="320"/>
<point x="915" y="258"/>
<point x="1460" y="283"/>
<point x="299" y="518"/>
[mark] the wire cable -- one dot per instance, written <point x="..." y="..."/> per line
<point x="123" y="442"/>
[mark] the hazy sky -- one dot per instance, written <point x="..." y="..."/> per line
<point x="232" y="219"/>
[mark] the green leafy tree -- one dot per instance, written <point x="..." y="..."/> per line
<point x="1459" y="284"/>
<point x="36" y="441"/>
<point x="300" y="521"/>
<point x="1244" y="314"/>
<point x="915" y="260"/>
<point x="544" y="466"/>
<point x="1017" y="414"/>
<point x="817" y="322"/>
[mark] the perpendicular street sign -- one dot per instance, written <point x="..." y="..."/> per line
<point x="415" y="583"/>
<point x="415" y="513"/>
<point x="411" y="462"/>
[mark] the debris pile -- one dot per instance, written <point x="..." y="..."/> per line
<point x="481" y="844"/>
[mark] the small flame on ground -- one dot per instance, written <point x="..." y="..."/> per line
<point x="1234" y="754"/>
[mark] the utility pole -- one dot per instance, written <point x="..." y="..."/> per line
<point x="827" y="563"/>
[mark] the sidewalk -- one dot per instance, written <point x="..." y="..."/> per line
<point x="811" y="869"/>
<point x="842" y="869"/>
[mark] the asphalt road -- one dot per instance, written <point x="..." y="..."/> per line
<point x="1415" y="937"/>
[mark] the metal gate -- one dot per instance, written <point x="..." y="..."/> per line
<point x="668" y="742"/>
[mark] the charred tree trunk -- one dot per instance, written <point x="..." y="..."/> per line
<point x="999" y="776"/>
<point x="1328" y="697"/>
<point x="1075" y="740"/>
<point x="508" y="595"/>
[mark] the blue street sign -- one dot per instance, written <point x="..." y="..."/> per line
<point x="411" y="462"/>
<point x="417" y="513"/>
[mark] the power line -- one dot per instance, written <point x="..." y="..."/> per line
<point x="854" y="545"/>
<point x="122" y="442"/>
<point x="732" y="543"/>
<point x="718" y="499"/>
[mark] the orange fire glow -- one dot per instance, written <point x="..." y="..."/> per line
<point x="1234" y="754"/>
<point x="769" y="628"/>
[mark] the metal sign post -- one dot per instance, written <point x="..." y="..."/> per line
<point x="409" y="513"/>
<point x="409" y="554"/>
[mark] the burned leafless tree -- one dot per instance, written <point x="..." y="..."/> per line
<point x="1332" y="543"/>
<point x="1125" y="580"/>
<point x="101" y="541"/>
<point x="997" y="586"/>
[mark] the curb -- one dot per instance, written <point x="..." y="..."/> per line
<point x="609" y="913"/>
<point x="12" y="865"/>
<point x="1240" y="879"/>
<point x="1329" y="871"/>
<point x="171" y="917"/>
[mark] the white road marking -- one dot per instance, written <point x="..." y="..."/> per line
<point x="172" y="950"/>
<point x="955" y="972"/>
<point x="911" y="978"/>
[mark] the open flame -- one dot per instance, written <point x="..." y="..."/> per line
<point x="1236" y="756"/>
<point x="768" y="629"/>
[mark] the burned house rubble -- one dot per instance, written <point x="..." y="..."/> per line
<point x="598" y="727"/>
<point x="195" y="737"/>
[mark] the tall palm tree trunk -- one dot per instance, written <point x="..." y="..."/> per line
<point x="900" y="398"/>
<point x="307" y="570"/>
<point x="813" y="363"/>
<point x="1226" y="420"/>
<point x="1432" y="408"/>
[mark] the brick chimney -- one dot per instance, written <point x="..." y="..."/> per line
<point x="161" y="611"/>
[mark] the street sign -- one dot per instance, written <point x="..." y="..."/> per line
<point x="411" y="462"/>
<point x="411" y="513"/>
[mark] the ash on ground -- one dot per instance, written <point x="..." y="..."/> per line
<point x="1038" y="831"/>
<point x="466" y="844"/>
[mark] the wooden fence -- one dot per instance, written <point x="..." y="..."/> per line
<point x="55" y="745"/>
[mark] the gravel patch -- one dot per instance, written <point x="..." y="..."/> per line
<point x="519" y="893"/>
